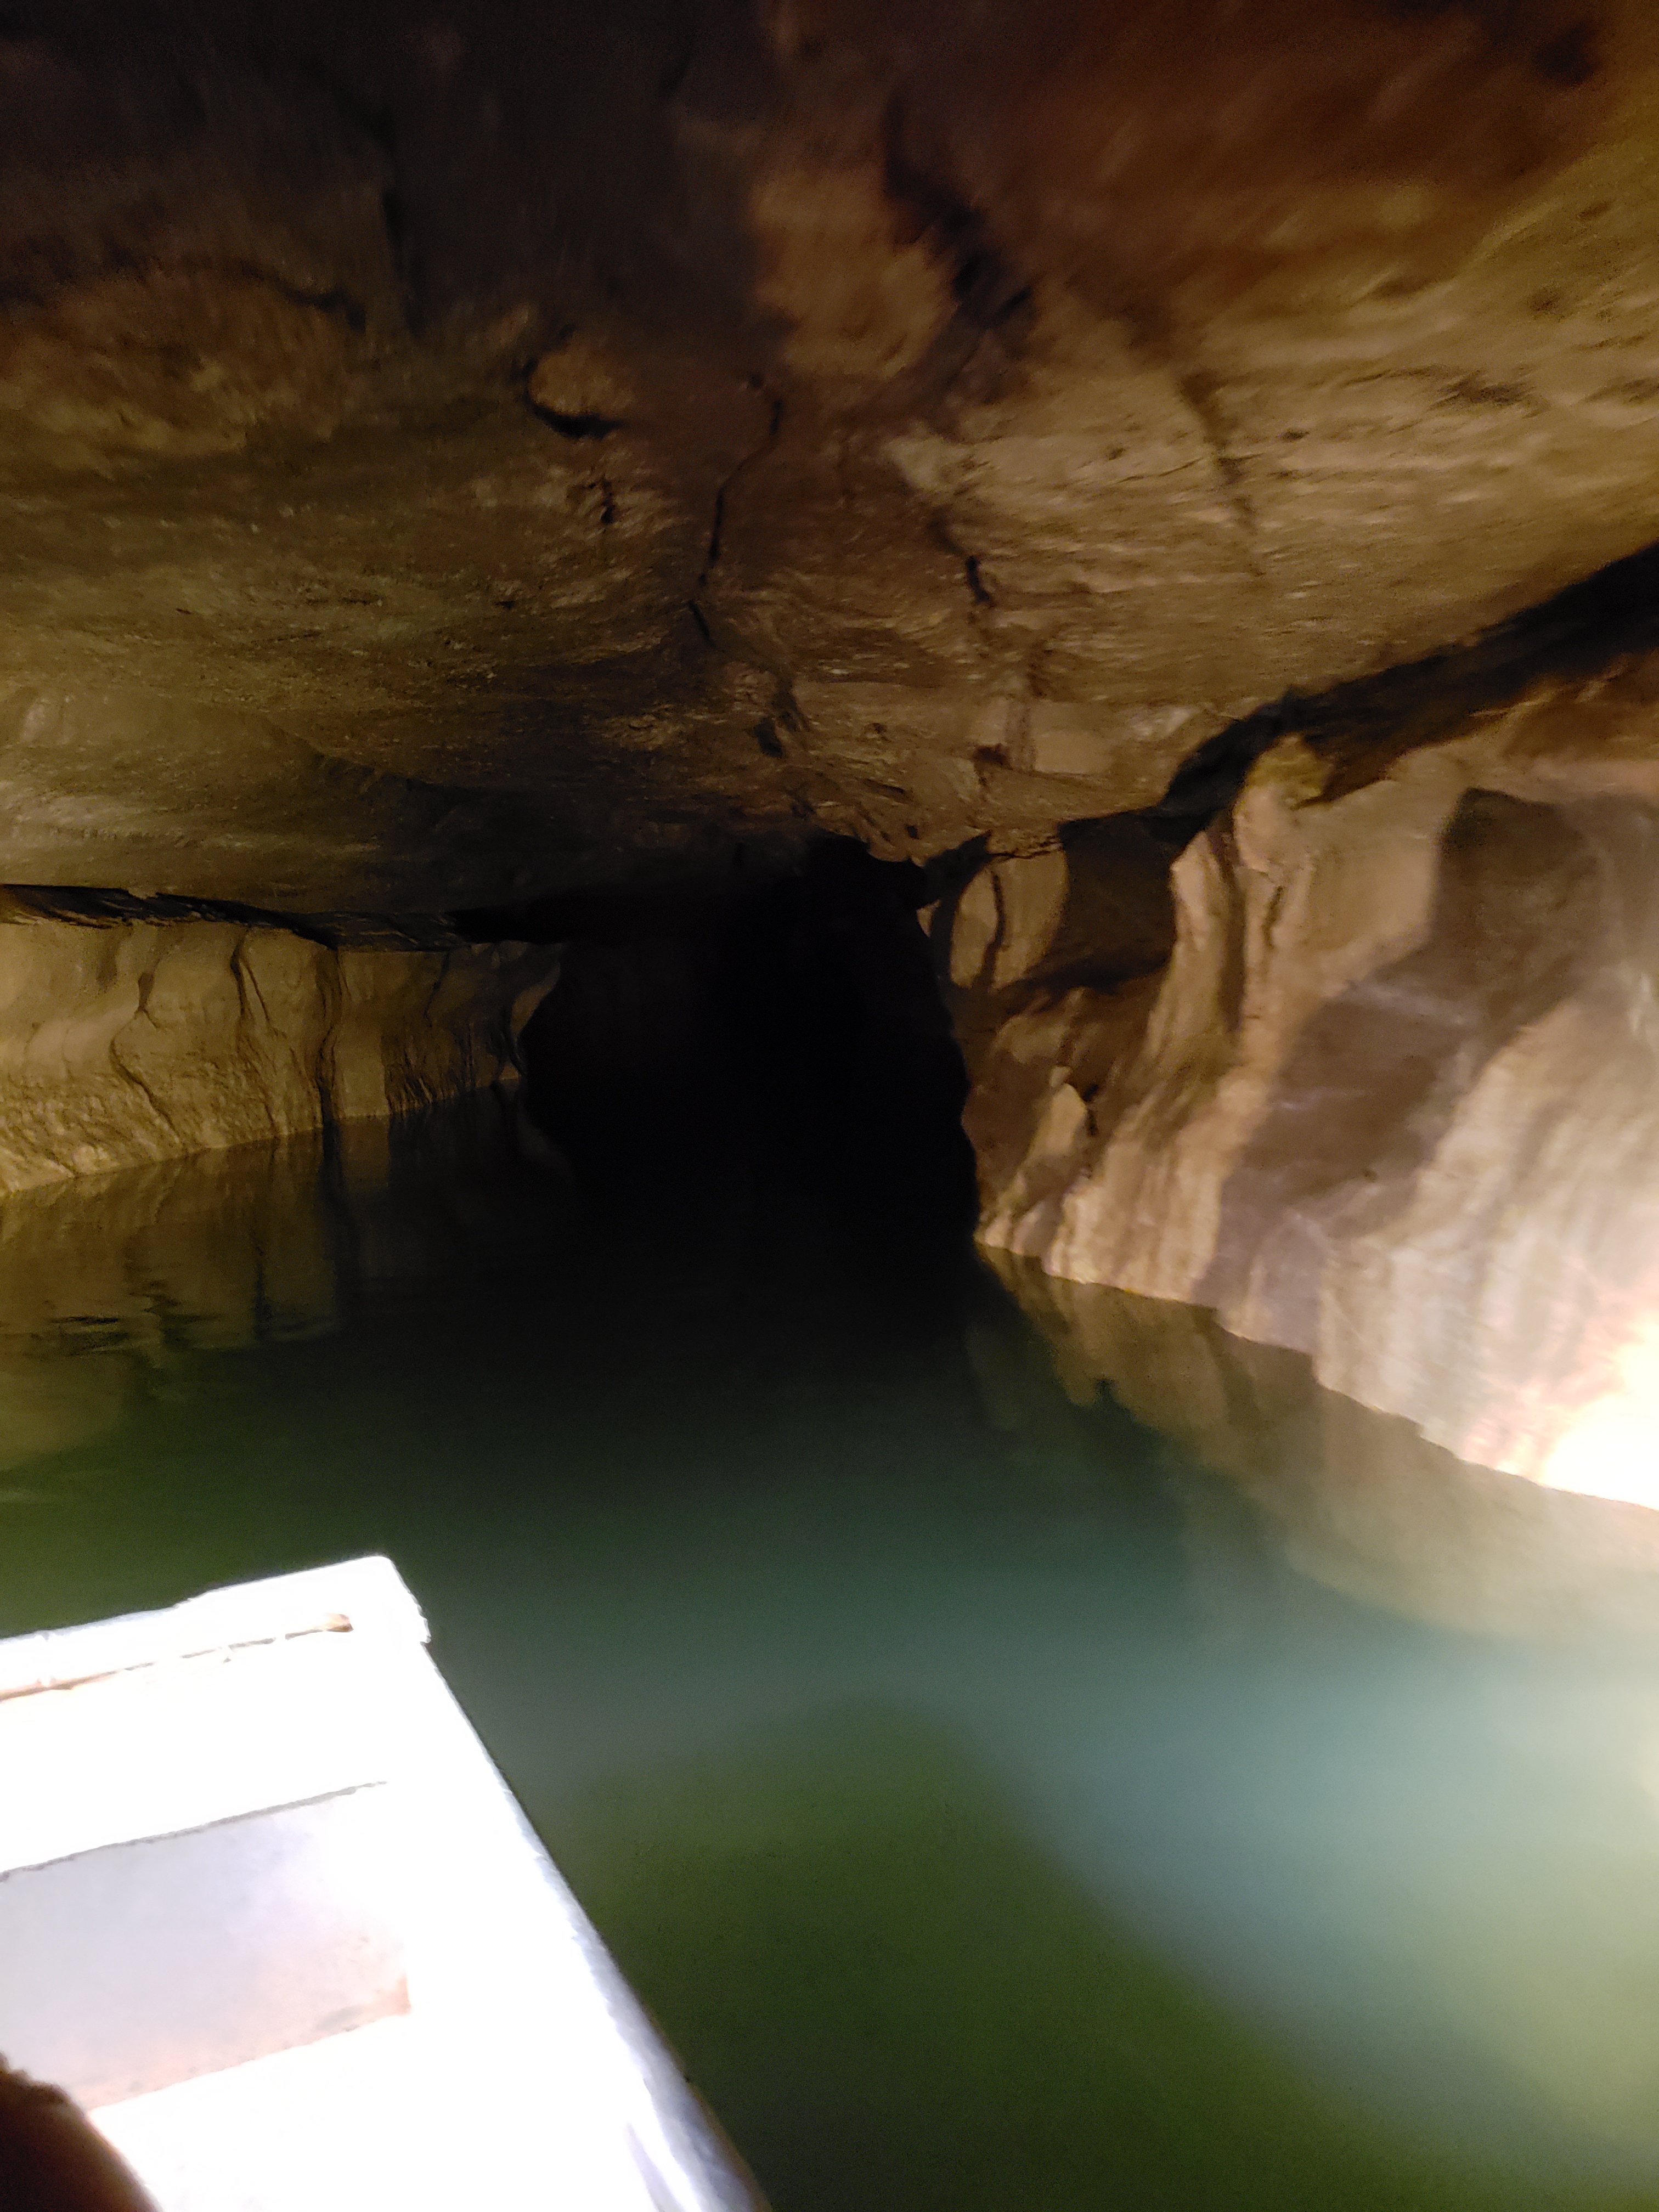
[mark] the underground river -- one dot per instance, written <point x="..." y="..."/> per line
<point x="990" y="1810"/>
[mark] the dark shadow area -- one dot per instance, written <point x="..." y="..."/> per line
<point x="737" y="1062"/>
<point x="405" y="1277"/>
<point x="495" y="137"/>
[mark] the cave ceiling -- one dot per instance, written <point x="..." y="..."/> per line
<point x="451" y="457"/>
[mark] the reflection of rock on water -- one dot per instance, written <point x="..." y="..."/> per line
<point x="51" y="1405"/>
<point x="106" y="1281"/>
<point x="1358" y="1501"/>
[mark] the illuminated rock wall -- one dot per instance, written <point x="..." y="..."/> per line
<point x="1393" y="1100"/>
<point x="128" y="1041"/>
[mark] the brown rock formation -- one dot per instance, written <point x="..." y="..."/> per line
<point x="127" y="1041"/>
<point x="444" y="461"/>
<point x="1392" y="1102"/>
<point x="455" y="461"/>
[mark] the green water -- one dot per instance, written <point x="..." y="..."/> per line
<point x="991" y="1812"/>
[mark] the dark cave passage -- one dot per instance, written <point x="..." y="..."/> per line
<point x="778" y="1051"/>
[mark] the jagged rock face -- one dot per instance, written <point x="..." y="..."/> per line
<point x="1392" y="1102"/>
<point x="449" y="458"/>
<point x="123" y="1042"/>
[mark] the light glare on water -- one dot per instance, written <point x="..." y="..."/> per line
<point x="990" y="1810"/>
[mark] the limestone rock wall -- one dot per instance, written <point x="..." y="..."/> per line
<point x="128" y="1041"/>
<point x="1393" y="1100"/>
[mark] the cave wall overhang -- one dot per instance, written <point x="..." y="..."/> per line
<point x="445" y="462"/>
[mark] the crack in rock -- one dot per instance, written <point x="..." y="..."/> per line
<point x="717" y="523"/>
<point x="1200" y="391"/>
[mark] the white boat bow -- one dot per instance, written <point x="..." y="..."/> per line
<point x="269" y="1913"/>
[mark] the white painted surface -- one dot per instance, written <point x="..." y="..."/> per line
<point x="523" y="2071"/>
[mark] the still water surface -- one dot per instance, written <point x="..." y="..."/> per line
<point x="993" y="1815"/>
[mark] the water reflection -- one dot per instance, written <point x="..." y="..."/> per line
<point x="1506" y="1893"/>
<point x="107" y="1286"/>
<point x="1358" y="1500"/>
<point x="993" y="1813"/>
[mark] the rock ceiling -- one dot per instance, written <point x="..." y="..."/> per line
<point x="449" y="457"/>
